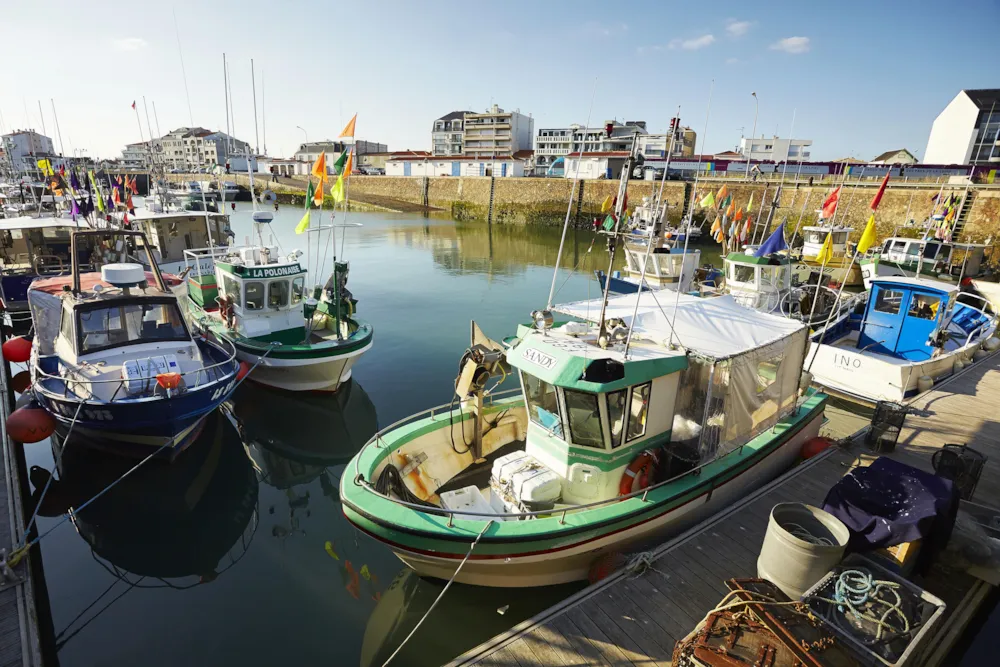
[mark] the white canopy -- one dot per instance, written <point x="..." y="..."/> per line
<point x="716" y="327"/>
<point x="28" y="222"/>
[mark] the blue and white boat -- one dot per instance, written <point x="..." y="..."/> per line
<point x="911" y="333"/>
<point x="115" y="361"/>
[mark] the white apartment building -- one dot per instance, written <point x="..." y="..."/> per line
<point x="25" y="147"/>
<point x="554" y="143"/>
<point x="775" y="149"/>
<point x="135" y="156"/>
<point x="496" y="132"/>
<point x="446" y="134"/>
<point x="195" y="148"/>
<point x="654" y="147"/>
<point x="967" y="131"/>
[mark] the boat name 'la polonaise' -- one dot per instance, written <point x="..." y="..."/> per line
<point x="273" y="272"/>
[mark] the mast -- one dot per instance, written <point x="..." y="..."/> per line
<point x="253" y="83"/>
<point x="225" y="92"/>
<point x="232" y="109"/>
<point x="62" y="150"/>
<point x="263" y="112"/>
<point x="42" y="116"/>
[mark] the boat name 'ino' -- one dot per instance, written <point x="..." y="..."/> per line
<point x="273" y="272"/>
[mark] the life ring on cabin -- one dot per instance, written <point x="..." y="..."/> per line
<point x="638" y="473"/>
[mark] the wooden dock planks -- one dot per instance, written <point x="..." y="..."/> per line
<point x="630" y="619"/>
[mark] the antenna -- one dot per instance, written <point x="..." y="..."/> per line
<point x="225" y="91"/>
<point x="253" y="83"/>
<point x="232" y="109"/>
<point x="263" y="112"/>
<point x="180" y="52"/>
<point x="157" y="119"/>
<point x="42" y="117"/>
<point x="62" y="150"/>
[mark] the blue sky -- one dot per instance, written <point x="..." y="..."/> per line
<point x="863" y="77"/>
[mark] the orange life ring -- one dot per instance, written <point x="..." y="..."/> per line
<point x="637" y="474"/>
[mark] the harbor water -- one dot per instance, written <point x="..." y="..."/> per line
<point x="238" y="552"/>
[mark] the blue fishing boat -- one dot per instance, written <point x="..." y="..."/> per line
<point x="114" y="361"/>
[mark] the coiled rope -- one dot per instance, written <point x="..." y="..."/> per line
<point x="857" y="593"/>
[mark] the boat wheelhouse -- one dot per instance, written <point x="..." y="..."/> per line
<point x="761" y="283"/>
<point x="943" y="260"/>
<point x="839" y="268"/>
<point x="913" y="332"/>
<point x="175" y="227"/>
<point x="114" y="360"/>
<point x="616" y="437"/>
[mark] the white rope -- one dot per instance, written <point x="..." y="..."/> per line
<point x="441" y="594"/>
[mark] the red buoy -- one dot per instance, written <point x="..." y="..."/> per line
<point x="30" y="424"/>
<point x="17" y="350"/>
<point x="244" y="369"/>
<point x="814" y="446"/>
<point x="21" y="382"/>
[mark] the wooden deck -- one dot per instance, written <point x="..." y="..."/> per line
<point x="19" y="637"/>
<point x="630" y="619"/>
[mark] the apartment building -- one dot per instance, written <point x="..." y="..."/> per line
<point x="496" y="132"/>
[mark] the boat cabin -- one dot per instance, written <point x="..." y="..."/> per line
<point x="814" y="237"/>
<point x="758" y="282"/>
<point x="263" y="297"/>
<point x="904" y="317"/>
<point x="172" y="232"/>
<point x="934" y="255"/>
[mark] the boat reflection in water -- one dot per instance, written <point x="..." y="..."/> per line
<point x="189" y="521"/>
<point x="479" y="611"/>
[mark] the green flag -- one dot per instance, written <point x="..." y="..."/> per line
<point x="609" y="223"/>
<point x="310" y="193"/>
<point x="338" y="166"/>
<point x="726" y="202"/>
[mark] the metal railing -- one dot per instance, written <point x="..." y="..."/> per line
<point x="360" y="481"/>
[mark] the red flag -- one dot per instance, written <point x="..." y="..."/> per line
<point x="117" y="197"/>
<point x="881" y="191"/>
<point x="133" y="105"/>
<point x="830" y="203"/>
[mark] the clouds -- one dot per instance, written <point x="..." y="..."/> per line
<point x="692" y="44"/>
<point x="128" y="44"/>
<point x="792" y="45"/>
<point x="600" y="29"/>
<point x="738" y="28"/>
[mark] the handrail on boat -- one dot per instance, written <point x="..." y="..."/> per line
<point x="360" y="481"/>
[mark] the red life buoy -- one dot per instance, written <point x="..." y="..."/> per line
<point x="636" y="476"/>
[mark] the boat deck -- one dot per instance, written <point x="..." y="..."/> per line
<point x="635" y="619"/>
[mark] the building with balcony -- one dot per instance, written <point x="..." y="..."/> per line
<point x="654" y="147"/>
<point x="775" y="149"/>
<point x="191" y="148"/>
<point x="554" y="143"/>
<point x="446" y="135"/>
<point x="135" y="156"/>
<point x="497" y="132"/>
<point x="967" y="131"/>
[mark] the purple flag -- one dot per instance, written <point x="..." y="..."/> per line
<point x="75" y="211"/>
<point x="74" y="182"/>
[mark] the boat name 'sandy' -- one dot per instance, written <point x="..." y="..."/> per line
<point x="539" y="358"/>
<point x="273" y="272"/>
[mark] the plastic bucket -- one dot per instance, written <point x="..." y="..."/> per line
<point x="802" y="543"/>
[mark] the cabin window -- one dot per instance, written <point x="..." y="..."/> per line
<point x="931" y="250"/>
<point x="255" y="296"/>
<point x="743" y="273"/>
<point x="616" y="415"/>
<point x="638" y="407"/>
<point x="277" y="294"/>
<point x="898" y="246"/>
<point x="112" y="326"/>
<point x="767" y="373"/>
<point x="298" y="287"/>
<point x="840" y="238"/>
<point x="913" y="249"/>
<point x="66" y="325"/>
<point x="584" y="419"/>
<point x="543" y="404"/>
<point x="888" y="301"/>
<point x="232" y="287"/>
<point x="815" y="237"/>
<point x="924" y="306"/>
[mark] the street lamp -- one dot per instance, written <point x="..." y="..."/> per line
<point x="304" y="133"/>
<point x="753" y="133"/>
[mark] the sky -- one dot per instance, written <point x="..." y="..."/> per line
<point x="858" y="78"/>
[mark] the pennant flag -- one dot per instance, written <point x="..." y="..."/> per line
<point x="318" y="194"/>
<point x="708" y="200"/>
<point x="350" y="162"/>
<point x="878" y="195"/>
<point x="319" y="166"/>
<point x="832" y="197"/>
<point x="934" y="198"/>
<point x="349" y="130"/>
<point x="90" y="204"/>
<point x="775" y="242"/>
<point x="310" y="193"/>
<point x="46" y="167"/>
<point x="825" y="252"/>
<point x="716" y="226"/>
<point x="109" y="205"/>
<point x="732" y="229"/>
<point x="991" y="177"/>
<point x="726" y="201"/>
<point x="739" y="215"/>
<point x="117" y="196"/>
<point x="746" y="230"/>
<point x="134" y="187"/>
<point x="867" y="239"/>
<point x="723" y="191"/>
<point x="606" y="204"/>
<point x="337" y="191"/>
<point x="609" y="223"/>
<point x="731" y="209"/>
<point x="74" y="210"/>
<point x="750" y="203"/>
<point x="338" y="166"/>
<point x="830" y="204"/>
<point x="133" y="105"/>
<point x="303" y="223"/>
<point x="74" y="182"/>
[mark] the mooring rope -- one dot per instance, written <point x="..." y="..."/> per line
<point x="441" y="594"/>
<point x="857" y="592"/>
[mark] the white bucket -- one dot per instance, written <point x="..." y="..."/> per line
<point x="802" y="543"/>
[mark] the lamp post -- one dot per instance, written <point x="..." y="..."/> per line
<point x="753" y="133"/>
<point x="304" y="133"/>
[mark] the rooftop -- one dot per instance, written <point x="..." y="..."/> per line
<point x="984" y="98"/>
<point x="454" y="115"/>
<point x="889" y="154"/>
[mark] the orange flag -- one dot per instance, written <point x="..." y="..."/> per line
<point x="830" y="203"/>
<point x="739" y="215"/>
<point x="350" y="156"/>
<point x="732" y="208"/>
<point x="349" y="130"/>
<point x="723" y="191"/>
<point x="881" y="191"/>
<point x="319" y="166"/>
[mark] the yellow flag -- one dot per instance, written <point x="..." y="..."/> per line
<point x="750" y="203"/>
<point x="46" y="167"/>
<point x="867" y="239"/>
<point x="303" y="223"/>
<point x="606" y="204"/>
<point x="349" y="130"/>
<point x="337" y="191"/>
<point x="826" y="252"/>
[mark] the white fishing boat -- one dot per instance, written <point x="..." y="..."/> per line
<point x="912" y="332"/>
<point x="840" y="268"/>
<point x="931" y="258"/>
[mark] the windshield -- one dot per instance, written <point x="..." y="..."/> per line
<point x="127" y="324"/>
<point x="543" y="404"/>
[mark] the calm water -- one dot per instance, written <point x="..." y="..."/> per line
<point x="239" y="553"/>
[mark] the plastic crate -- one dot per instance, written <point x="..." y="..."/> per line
<point x="887" y="422"/>
<point x="896" y="649"/>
